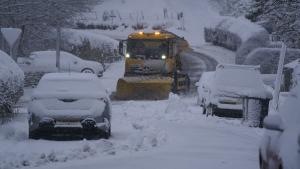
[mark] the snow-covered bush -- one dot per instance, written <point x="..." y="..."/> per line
<point x="268" y="58"/>
<point x="140" y="26"/>
<point x="222" y="38"/>
<point x="90" y="45"/>
<point x="232" y="33"/>
<point x="81" y="25"/>
<point x="11" y="83"/>
<point x="232" y="7"/>
<point x="258" y="40"/>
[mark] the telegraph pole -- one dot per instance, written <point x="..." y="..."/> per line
<point x="58" y="39"/>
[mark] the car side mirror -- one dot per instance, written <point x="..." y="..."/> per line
<point x="27" y="63"/>
<point x="273" y="122"/>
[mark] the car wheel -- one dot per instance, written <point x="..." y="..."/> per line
<point x="210" y="110"/>
<point x="107" y="134"/>
<point x="87" y="70"/>
<point x="262" y="163"/>
<point x="203" y="110"/>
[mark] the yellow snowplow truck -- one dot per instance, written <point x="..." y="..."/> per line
<point x="152" y="66"/>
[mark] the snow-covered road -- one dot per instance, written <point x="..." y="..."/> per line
<point x="195" y="63"/>
<point x="145" y="134"/>
<point x="184" y="140"/>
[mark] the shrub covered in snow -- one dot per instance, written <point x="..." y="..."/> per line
<point x="231" y="33"/>
<point x="268" y="58"/>
<point x="90" y="45"/>
<point x="258" y="40"/>
<point x="11" y="83"/>
<point x="222" y="38"/>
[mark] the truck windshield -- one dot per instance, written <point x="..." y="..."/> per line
<point x="147" y="49"/>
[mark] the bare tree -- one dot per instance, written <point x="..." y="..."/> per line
<point x="38" y="19"/>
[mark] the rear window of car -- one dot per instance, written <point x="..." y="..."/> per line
<point x="238" y="77"/>
<point x="87" y="86"/>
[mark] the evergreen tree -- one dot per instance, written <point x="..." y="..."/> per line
<point x="281" y="16"/>
<point x="256" y="10"/>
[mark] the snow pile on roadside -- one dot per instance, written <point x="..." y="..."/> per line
<point x="175" y="105"/>
<point x="240" y="26"/>
<point x="131" y="132"/>
<point x="18" y="152"/>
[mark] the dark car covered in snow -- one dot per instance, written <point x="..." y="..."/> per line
<point x="69" y="104"/>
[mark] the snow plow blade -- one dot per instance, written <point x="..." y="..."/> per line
<point x="143" y="88"/>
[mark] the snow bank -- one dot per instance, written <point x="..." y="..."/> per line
<point x="239" y="26"/>
<point x="11" y="81"/>
<point x="175" y="105"/>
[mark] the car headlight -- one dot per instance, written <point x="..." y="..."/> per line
<point x="163" y="57"/>
<point x="127" y="55"/>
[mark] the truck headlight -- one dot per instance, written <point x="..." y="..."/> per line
<point x="163" y="57"/>
<point x="127" y="55"/>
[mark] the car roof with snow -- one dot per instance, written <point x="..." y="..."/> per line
<point x="70" y="85"/>
<point x="69" y="76"/>
<point x="38" y="54"/>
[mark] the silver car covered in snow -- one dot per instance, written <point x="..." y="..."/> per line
<point x="69" y="103"/>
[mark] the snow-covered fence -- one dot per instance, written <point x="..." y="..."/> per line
<point x="268" y="58"/>
<point x="254" y="111"/>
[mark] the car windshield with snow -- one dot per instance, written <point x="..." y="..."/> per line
<point x="66" y="103"/>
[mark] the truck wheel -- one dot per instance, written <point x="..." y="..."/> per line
<point x="210" y="110"/>
<point x="107" y="134"/>
<point x="33" y="135"/>
<point x="203" y="110"/>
